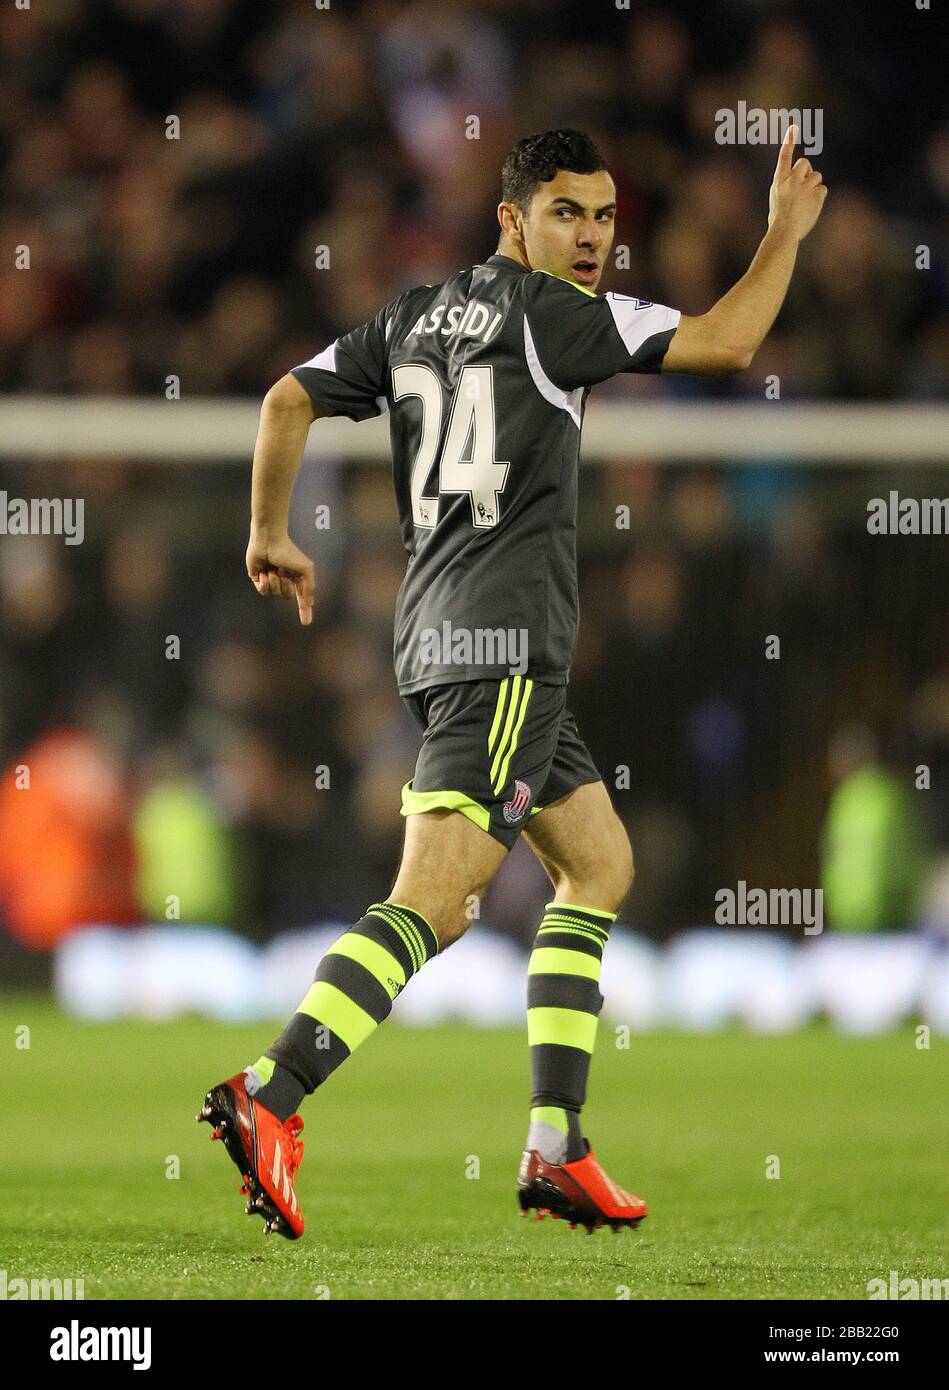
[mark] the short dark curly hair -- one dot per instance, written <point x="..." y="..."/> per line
<point x="536" y="158"/>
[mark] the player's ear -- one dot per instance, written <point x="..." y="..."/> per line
<point x="509" y="216"/>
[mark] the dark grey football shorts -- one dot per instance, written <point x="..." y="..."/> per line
<point x="498" y="750"/>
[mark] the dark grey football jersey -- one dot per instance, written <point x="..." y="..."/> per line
<point x="485" y="378"/>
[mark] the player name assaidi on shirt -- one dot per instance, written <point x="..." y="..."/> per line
<point x="471" y="320"/>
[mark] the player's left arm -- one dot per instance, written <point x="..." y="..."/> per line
<point x="727" y="337"/>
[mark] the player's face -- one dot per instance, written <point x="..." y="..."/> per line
<point x="569" y="228"/>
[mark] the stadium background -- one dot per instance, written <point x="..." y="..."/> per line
<point x="195" y="257"/>
<point x="194" y="777"/>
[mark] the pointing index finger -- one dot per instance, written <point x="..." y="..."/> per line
<point x="783" y="166"/>
<point x="305" y="596"/>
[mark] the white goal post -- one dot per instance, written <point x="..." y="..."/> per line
<point x="108" y="427"/>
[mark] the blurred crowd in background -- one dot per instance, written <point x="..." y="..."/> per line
<point x="182" y="782"/>
<point x="347" y="128"/>
<point x="187" y="739"/>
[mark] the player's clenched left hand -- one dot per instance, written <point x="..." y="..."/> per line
<point x="280" y="569"/>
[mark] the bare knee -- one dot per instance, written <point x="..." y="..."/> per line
<point x="605" y="875"/>
<point x="447" y="864"/>
<point x="622" y="869"/>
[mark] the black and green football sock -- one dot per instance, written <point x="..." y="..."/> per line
<point x="353" y="989"/>
<point x="563" y="1005"/>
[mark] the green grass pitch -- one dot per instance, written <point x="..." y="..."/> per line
<point x="93" y="1114"/>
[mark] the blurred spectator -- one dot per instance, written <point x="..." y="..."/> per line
<point x="65" y="852"/>
<point x="873" y="854"/>
<point x="186" y="858"/>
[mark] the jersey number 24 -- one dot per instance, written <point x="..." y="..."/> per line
<point x="481" y="476"/>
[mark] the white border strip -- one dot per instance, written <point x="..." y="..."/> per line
<point x="107" y="427"/>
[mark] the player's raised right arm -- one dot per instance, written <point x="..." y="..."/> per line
<point x="277" y="566"/>
<point x="727" y="337"/>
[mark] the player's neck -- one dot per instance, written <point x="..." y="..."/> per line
<point x="507" y="248"/>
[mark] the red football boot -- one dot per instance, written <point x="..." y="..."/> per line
<point x="579" y="1192"/>
<point x="267" y="1153"/>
